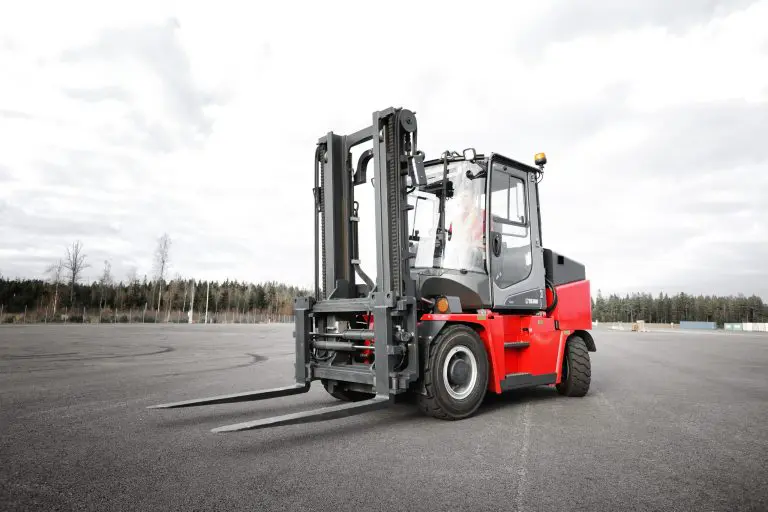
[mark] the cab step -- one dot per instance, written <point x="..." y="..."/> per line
<point x="516" y="344"/>
<point x="526" y="380"/>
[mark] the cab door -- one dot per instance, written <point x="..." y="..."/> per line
<point x="515" y="253"/>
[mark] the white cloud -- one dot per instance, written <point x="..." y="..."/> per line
<point x="176" y="117"/>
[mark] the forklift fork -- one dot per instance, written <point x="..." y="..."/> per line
<point x="325" y="413"/>
<point x="302" y="307"/>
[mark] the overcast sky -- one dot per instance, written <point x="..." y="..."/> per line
<point x="121" y="122"/>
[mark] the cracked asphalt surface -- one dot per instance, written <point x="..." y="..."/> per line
<point x="673" y="421"/>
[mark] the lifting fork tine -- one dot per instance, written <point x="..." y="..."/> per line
<point x="325" y="413"/>
<point x="248" y="396"/>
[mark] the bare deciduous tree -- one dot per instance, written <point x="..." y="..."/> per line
<point x="105" y="281"/>
<point x="74" y="263"/>
<point x="161" y="264"/>
<point x="55" y="272"/>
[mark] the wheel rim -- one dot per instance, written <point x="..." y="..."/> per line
<point x="460" y="355"/>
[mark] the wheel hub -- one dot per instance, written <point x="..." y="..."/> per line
<point x="458" y="372"/>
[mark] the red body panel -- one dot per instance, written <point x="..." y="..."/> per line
<point x="574" y="306"/>
<point x="546" y="342"/>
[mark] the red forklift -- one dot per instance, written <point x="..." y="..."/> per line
<point x="465" y="301"/>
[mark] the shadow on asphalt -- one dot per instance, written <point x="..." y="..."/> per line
<point x="213" y="416"/>
<point x="403" y="411"/>
<point x="282" y="437"/>
<point x="512" y="398"/>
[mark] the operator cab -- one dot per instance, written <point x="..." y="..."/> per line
<point x="475" y="232"/>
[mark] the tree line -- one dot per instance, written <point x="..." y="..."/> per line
<point x="666" y="309"/>
<point x="63" y="296"/>
<point x="159" y="299"/>
<point x="145" y="300"/>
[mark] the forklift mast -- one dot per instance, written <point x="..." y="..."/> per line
<point x="338" y="297"/>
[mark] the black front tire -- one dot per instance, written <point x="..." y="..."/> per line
<point x="577" y="370"/>
<point x="345" y="395"/>
<point x="438" y="401"/>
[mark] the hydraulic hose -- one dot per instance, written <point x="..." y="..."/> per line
<point x="318" y="151"/>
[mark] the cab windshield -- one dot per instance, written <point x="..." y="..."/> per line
<point x="462" y="245"/>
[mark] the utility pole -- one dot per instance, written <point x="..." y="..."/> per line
<point x="207" y="293"/>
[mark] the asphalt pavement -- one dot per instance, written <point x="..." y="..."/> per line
<point x="673" y="421"/>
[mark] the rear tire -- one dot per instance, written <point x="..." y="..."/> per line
<point x="577" y="370"/>
<point x="346" y="395"/>
<point x="454" y="393"/>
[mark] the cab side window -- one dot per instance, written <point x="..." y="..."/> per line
<point x="510" y="227"/>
